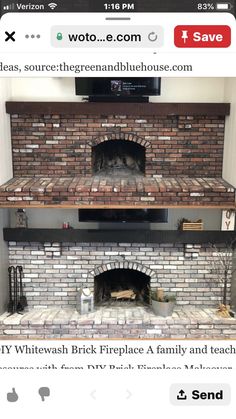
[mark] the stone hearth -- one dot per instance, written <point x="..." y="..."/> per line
<point x="119" y="322"/>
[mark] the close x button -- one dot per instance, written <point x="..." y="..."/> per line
<point x="202" y="36"/>
<point x="10" y="36"/>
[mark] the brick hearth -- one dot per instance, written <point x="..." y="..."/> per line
<point x="118" y="322"/>
<point x="128" y="191"/>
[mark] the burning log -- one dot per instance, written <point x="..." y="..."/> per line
<point x="126" y="294"/>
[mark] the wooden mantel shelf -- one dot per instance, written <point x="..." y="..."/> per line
<point x="118" y="108"/>
<point x="119" y="236"/>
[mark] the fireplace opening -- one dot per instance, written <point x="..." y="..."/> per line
<point x="119" y="157"/>
<point x="121" y="285"/>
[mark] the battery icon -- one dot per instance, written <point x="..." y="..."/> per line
<point x="223" y="6"/>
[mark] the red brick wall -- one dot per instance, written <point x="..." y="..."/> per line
<point x="55" y="145"/>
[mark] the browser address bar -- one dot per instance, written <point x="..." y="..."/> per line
<point x="107" y="37"/>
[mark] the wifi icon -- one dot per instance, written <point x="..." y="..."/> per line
<point x="52" y="6"/>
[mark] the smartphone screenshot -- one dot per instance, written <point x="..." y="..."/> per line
<point x="117" y="208"/>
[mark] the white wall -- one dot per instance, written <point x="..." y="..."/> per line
<point x="48" y="218"/>
<point x="191" y="90"/>
<point x="5" y="135"/>
<point x="229" y="165"/>
<point x="5" y="174"/>
<point x="172" y="89"/>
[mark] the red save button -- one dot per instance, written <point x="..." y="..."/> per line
<point x="202" y="36"/>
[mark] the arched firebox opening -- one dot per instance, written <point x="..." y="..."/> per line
<point x="118" y="157"/>
<point x="121" y="285"/>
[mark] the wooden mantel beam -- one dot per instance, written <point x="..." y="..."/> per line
<point x="152" y="109"/>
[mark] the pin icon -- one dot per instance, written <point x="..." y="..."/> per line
<point x="44" y="392"/>
<point x="184" y="36"/>
<point x="13" y="396"/>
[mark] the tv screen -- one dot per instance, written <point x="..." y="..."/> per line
<point x="124" y="215"/>
<point x="115" y="86"/>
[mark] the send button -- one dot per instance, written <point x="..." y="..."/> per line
<point x="200" y="394"/>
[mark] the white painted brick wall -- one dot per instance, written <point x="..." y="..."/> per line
<point x="54" y="282"/>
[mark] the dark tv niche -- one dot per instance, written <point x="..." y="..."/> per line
<point x="115" y="89"/>
<point x="124" y="215"/>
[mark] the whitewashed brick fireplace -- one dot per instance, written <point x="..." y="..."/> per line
<point x="54" y="281"/>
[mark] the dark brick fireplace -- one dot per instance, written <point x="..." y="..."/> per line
<point x="64" y="153"/>
<point x="57" y="144"/>
<point x="124" y="156"/>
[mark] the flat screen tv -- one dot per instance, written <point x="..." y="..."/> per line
<point x="118" y="87"/>
<point x="124" y="215"/>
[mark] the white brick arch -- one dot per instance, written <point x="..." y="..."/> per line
<point x="123" y="265"/>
